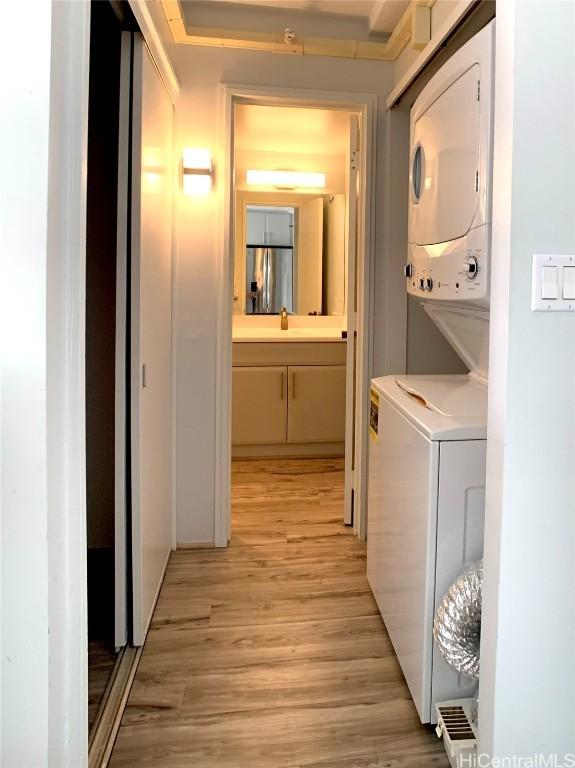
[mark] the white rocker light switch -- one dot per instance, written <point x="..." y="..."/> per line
<point x="553" y="283"/>
<point x="549" y="283"/>
<point x="569" y="282"/>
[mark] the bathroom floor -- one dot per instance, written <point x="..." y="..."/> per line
<point x="272" y="654"/>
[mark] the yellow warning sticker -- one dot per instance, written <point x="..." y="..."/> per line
<point x="374" y="415"/>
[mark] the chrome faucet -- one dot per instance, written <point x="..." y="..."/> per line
<point x="284" y="319"/>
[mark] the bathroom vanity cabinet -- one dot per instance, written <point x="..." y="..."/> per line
<point x="288" y="398"/>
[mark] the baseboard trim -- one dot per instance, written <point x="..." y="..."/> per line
<point x="195" y="545"/>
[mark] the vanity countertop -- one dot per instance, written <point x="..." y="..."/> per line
<point x="292" y="334"/>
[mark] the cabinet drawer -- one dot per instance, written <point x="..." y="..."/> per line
<point x="259" y="405"/>
<point x="289" y="353"/>
<point x="316" y="404"/>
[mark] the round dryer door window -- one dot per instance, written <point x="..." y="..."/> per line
<point x="445" y="163"/>
<point x="417" y="173"/>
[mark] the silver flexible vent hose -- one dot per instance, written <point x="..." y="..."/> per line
<point x="457" y="624"/>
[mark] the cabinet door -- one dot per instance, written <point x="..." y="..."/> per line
<point x="256" y="227"/>
<point x="279" y="228"/>
<point x="316" y="404"/>
<point x="259" y="405"/>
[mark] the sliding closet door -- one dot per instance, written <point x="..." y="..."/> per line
<point x="151" y="300"/>
<point x="121" y="476"/>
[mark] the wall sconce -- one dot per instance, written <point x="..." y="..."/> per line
<point x="286" y="179"/>
<point x="196" y="171"/>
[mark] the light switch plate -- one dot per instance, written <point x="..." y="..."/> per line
<point x="538" y="304"/>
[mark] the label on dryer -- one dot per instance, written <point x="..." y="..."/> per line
<point x="374" y="414"/>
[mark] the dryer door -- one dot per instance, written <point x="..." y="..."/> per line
<point x="444" y="163"/>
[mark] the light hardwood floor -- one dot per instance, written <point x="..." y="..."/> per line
<point x="272" y="654"/>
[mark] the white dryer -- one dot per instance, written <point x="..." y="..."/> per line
<point x="451" y="126"/>
<point x="428" y="433"/>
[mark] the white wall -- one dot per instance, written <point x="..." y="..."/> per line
<point x="42" y="177"/>
<point x="200" y="72"/>
<point x="23" y="180"/>
<point x="528" y="640"/>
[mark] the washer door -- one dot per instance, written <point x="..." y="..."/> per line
<point x="445" y="162"/>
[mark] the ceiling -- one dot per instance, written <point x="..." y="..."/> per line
<point x="343" y="7"/>
<point x="291" y="130"/>
<point x="359" y="19"/>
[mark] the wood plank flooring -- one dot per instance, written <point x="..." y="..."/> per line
<point x="272" y="654"/>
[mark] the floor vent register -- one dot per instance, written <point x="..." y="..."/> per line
<point x="455" y="725"/>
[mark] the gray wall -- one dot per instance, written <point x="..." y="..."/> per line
<point x="427" y="349"/>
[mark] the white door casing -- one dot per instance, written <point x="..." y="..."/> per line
<point x="151" y="295"/>
<point x="364" y="105"/>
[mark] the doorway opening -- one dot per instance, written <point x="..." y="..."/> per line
<point x="297" y="324"/>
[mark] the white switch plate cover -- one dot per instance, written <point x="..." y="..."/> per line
<point x="559" y="304"/>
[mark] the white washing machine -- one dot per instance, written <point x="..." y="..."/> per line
<point x="425" y="514"/>
<point x="428" y="433"/>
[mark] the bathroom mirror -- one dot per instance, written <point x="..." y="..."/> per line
<point x="289" y="252"/>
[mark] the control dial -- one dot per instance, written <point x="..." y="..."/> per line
<point x="471" y="267"/>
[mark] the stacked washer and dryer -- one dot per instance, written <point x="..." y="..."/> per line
<point x="428" y="433"/>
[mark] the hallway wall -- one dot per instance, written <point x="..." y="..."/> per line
<point x="528" y="629"/>
<point x="200" y="72"/>
<point x="43" y="701"/>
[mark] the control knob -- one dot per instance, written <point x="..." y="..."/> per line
<point x="471" y="267"/>
<point x="425" y="283"/>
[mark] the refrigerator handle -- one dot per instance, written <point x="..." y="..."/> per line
<point x="267" y="279"/>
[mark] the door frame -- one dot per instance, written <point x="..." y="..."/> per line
<point x="351" y="246"/>
<point x="366" y="106"/>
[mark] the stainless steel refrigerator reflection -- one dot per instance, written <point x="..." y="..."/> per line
<point x="269" y="280"/>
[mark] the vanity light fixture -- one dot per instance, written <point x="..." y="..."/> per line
<point x="286" y="179"/>
<point x="196" y="171"/>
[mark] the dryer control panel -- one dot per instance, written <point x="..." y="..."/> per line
<point x="454" y="271"/>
